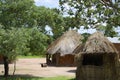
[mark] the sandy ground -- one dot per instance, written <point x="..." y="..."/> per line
<point x="32" y="67"/>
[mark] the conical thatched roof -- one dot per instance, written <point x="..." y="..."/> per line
<point x="97" y="43"/>
<point x="66" y="43"/>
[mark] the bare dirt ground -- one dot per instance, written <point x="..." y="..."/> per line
<point x="32" y="67"/>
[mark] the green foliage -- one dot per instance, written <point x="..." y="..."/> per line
<point x="22" y="28"/>
<point x="18" y="13"/>
<point x="12" y="43"/>
<point x="93" y="13"/>
<point x="15" y="13"/>
<point x="27" y="77"/>
<point x="26" y="57"/>
<point x="38" y="41"/>
<point x="86" y="36"/>
<point x="22" y="41"/>
<point x="30" y="22"/>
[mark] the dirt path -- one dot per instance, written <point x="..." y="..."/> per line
<point x="33" y="67"/>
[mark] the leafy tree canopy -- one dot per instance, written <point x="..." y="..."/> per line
<point x="93" y="14"/>
<point x="14" y="42"/>
<point x="22" y="28"/>
<point x="11" y="43"/>
<point x="16" y="13"/>
<point x="24" y="13"/>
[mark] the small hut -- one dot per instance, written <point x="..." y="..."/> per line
<point x="98" y="60"/>
<point x="59" y="53"/>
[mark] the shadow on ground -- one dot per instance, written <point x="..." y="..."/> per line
<point x="72" y="79"/>
<point x="72" y="71"/>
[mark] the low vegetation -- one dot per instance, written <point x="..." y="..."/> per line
<point x="41" y="56"/>
<point x="36" y="78"/>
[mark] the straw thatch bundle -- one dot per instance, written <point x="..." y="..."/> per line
<point x="66" y="43"/>
<point x="78" y="49"/>
<point x="97" y="43"/>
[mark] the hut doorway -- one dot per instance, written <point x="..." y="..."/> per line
<point x="52" y="59"/>
<point x="96" y="60"/>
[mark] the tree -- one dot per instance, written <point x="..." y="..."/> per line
<point x="50" y="17"/>
<point x="20" y="41"/>
<point x="37" y="42"/>
<point x="15" y="13"/>
<point x="12" y="43"/>
<point x="22" y="28"/>
<point x="93" y="13"/>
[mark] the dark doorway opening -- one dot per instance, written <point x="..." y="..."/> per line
<point x="92" y="59"/>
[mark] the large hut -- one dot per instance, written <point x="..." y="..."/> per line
<point x="59" y="53"/>
<point x="98" y="60"/>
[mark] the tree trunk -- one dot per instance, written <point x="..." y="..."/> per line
<point x="6" y="66"/>
<point x="14" y="68"/>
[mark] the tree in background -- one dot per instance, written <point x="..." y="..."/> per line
<point x="24" y="14"/>
<point x="50" y="17"/>
<point x="37" y="42"/>
<point x="12" y="43"/>
<point x="93" y="14"/>
<point x="16" y="13"/>
<point x="22" y="28"/>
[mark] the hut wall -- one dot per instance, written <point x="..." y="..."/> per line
<point x="110" y="66"/>
<point x="55" y="58"/>
<point x="66" y="60"/>
<point x="118" y="70"/>
<point x="117" y="46"/>
<point x="107" y="71"/>
<point x="91" y="73"/>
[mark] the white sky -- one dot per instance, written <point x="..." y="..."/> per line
<point x="47" y="3"/>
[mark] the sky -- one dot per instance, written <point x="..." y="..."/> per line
<point x="47" y="3"/>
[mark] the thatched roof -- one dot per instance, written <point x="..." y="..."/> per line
<point x="66" y="43"/>
<point x="78" y="49"/>
<point x="98" y="43"/>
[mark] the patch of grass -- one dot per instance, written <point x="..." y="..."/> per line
<point x="31" y="56"/>
<point x="36" y="78"/>
<point x="58" y="78"/>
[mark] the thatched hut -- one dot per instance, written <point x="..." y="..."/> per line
<point x="98" y="60"/>
<point x="59" y="53"/>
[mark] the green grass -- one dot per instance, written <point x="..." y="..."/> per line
<point x="36" y="78"/>
<point x="31" y="56"/>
